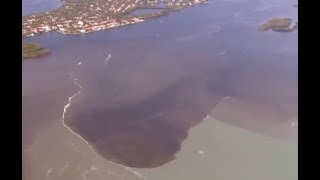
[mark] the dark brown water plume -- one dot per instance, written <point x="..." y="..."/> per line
<point x="147" y="133"/>
<point x="137" y="111"/>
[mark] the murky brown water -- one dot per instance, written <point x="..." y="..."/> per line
<point x="162" y="78"/>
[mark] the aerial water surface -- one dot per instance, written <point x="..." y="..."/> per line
<point x="130" y="102"/>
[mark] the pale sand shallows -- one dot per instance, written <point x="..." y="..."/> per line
<point x="58" y="154"/>
<point x="213" y="150"/>
<point x="277" y="119"/>
<point x="216" y="150"/>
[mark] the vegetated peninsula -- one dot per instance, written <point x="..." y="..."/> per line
<point x="31" y="50"/>
<point x="84" y="16"/>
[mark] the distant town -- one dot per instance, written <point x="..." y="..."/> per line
<point x="84" y="16"/>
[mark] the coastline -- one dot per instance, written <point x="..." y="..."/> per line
<point x="133" y="170"/>
<point x="86" y="16"/>
<point x="32" y="50"/>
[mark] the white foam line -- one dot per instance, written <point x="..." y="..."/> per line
<point x="68" y="105"/>
<point x="292" y="124"/>
<point x="93" y="168"/>
<point x="200" y="152"/>
<point x="49" y="171"/>
<point x="75" y="81"/>
<point x="106" y="61"/>
<point x="136" y="173"/>
<point x="207" y="117"/>
<point x="84" y="175"/>
<point x="64" y="168"/>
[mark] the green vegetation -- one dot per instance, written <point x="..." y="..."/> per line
<point x="279" y="25"/>
<point x="275" y="23"/>
<point x="31" y="50"/>
<point x="84" y="16"/>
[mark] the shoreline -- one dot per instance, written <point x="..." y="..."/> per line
<point x="86" y="16"/>
<point x="32" y="50"/>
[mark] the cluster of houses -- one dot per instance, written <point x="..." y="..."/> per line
<point x="85" y="16"/>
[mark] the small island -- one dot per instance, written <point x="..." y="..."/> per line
<point x="279" y="25"/>
<point x="31" y="50"/>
